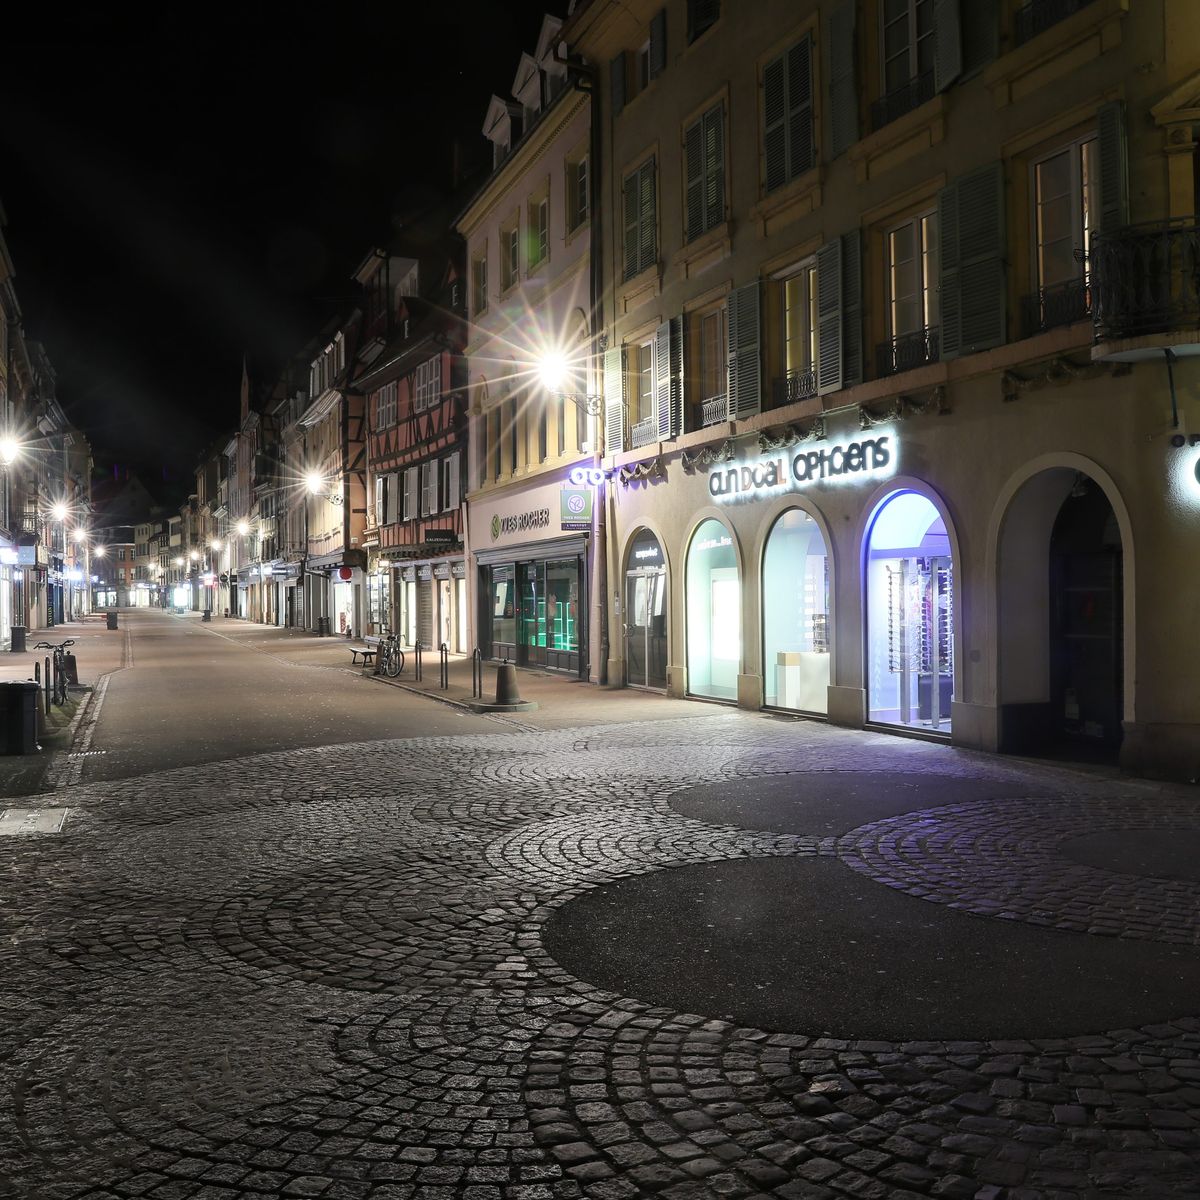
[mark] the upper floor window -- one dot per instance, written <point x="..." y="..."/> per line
<point x="908" y="42"/>
<point x="578" y="198"/>
<point x="510" y="257"/>
<point x="710" y="334"/>
<point x="640" y="219"/>
<point x="701" y="14"/>
<point x="798" y="313"/>
<point x="479" y="283"/>
<point x="788" y="148"/>
<point x="704" y="153"/>
<point x="1066" y="207"/>
<point x="643" y="386"/>
<point x="539" y="231"/>
<point x="427" y="384"/>
<point x="912" y="266"/>
<point x="385" y="405"/>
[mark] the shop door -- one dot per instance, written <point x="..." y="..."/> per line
<point x="445" y="617"/>
<point x="646" y="629"/>
<point x="532" y="633"/>
<point x="460" y="611"/>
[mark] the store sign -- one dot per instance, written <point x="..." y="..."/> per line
<point x="587" y="476"/>
<point x="440" y="537"/>
<point x="31" y="556"/>
<point x="841" y="462"/>
<point x="575" y="508"/>
<point x="525" y="522"/>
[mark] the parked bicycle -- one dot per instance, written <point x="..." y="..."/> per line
<point x="389" y="658"/>
<point x="58" y="682"/>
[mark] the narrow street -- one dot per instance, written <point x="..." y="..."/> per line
<point x="305" y="934"/>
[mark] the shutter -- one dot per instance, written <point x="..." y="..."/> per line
<point x="843" y="89"/>
<point x="393" y="498"/>
<point x="616" y="84"/>
<point x="380" y="499"/>
<point x="852" y="339"/>
<point x="1114" y="171"/>
<point x="775" y="124"/>
<point x="410" y="493"/>
<point x="662" y="379"/>
<point x="676" y="376"/>
<point x="658" y="43"/>
<point x="800" y="113"/>
<point x="453" y="482"/>
<point x="693" y="156"/>
<point x="714" y="167"/>
<point x="979" y="21"/>
<point x="647" y="224"/>
<point x="631" y="224"/>
<point x="614" y="401"/>
<point x="947" y="43"/>
<point x="829" y="317"/>
<point x="745" y="371"/>
<point x="974" y="299"/>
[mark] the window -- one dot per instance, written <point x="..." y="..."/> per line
<point x="912" y="276"/>
<point x="1066" y="204"/>
<point x="798" y="296"/>
<point x="411" y="483"/>
<point x="539" y="232"/>
<point x="701" y="15"/>
<point x="426" y="384"/>
<point x="642" y="360"/>
<point x="577" y="192"/>
<point x="510" y="423"/>
<point x="121" y="555"/>
<point x="451" y="482"/>
<point x="430" y="481"/>
<point x="542" y="432"/>
<point x="907" y="42"/>
<point x="493" y="441"/>
<point x="561" y="423"/>
<point x="510" y="258"/>
<point x="640" y="217"/>
<point x="704" y="153"/>
<point x="479" y="283"/>
<point x="712" y="364"/>
<point x="385" y="405"/>
<point x="788" y="150"/>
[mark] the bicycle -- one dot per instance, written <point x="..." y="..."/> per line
<point x="58" y="687"/>
<point x="389" y="659"/>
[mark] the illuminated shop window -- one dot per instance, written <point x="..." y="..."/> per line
<point x="714" y="613"/>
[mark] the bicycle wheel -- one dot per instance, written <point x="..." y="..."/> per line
<point x="60" y="687"/>
<point x="395" y="661"/>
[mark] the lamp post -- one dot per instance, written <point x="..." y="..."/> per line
<point x="243" y="529"/>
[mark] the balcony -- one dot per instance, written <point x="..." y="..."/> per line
<point x="1055" y="306"/>
<point x="1038" y="15"/>
<point x="794" y="386"/>
<point x="643" y="433"/>
<point x="1146" y="282"/>
<point x="714" y="411"/>
<point x="908" y="351"/>
<point x="902" y="100"/>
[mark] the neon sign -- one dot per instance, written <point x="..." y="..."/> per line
<point x="587" y="476"/>
<point x="842" y="462"/>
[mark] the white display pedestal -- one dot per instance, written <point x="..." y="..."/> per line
<point x="802" y="680"/>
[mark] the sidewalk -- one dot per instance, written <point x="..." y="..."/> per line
<point x="97" y="650"/>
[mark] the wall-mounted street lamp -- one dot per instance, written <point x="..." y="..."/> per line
<point x="10" y="448"/>
<point x="554" y="371"/>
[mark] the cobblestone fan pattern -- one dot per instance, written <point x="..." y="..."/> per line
<point x="320" y="974"/>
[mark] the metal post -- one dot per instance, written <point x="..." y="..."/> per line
<point x="444" y="663"/>
<point x="477" y="673"/>
<point x="417" y="662"/>
<point x="47" y="679"/>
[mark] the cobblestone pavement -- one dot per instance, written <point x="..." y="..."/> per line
<point x="321" y="973"/>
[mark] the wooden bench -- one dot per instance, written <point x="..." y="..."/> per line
<point x="367" y="651"/>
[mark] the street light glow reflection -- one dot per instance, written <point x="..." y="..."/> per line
<point x="9" y="449"/>
<point x="80" y="535"/>
<point x="552" y="370"/>
<point x="59" y="511"/>
<point x="243" y="527"/>
<point x="315" y="482"/>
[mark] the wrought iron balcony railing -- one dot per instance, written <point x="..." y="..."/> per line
<point x="903" y="99"/>
<point x="713" y="411"/>
<point x="908" y="351"/>
<point x="1039" y="15"/>
<point x="643" y="433"/>
<point x="1057" y="305"/>
<point x="1146" y="279"/>
<point x="794" y="386"/>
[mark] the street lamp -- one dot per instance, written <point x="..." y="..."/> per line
<point x="554" y="372"/>
<point x="9" y="449"/>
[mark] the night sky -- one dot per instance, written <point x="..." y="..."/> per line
<point x="184" y="189"/>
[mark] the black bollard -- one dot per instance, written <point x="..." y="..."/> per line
<point x="506" y="684"/>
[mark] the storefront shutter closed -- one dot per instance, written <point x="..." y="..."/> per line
<point x="668" y="367"/>
<point x="971" y="237"/>
<point x="614" y="401"/>
<point x="947" y="43"/>
<point x="425" y="613"/>
<point x="1114" y="170"/>
<point x="745" y="372"/>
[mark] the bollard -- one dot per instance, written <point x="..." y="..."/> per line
<point x="417" y="662"/>
<point x="37" y="673"/>
<point x="477" y="673"/>
<point x="506" y="684"/>
<point x="46" y="677"/>
<point x="444" y="666"/>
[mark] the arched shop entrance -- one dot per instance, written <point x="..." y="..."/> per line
<point x="795" y="590"/>
<point x="714" y="613"/>
<point x="910" y="615"/>
<point x="646" y="613"/>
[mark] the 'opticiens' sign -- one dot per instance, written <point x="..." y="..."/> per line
<point x="841" y="462"/>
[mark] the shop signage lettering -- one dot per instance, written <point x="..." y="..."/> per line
<point x="864" y="456"/>
<point x="538" y="518"/>
<point x="648" y="552"/>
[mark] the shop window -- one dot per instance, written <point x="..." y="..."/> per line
<point x="912" y="265"/>
<point x="910" y="615"/>
<point x="795" y="590"/>
<point x="639" y="210"/>
<point x="714" y="613"/>
<point x="704" y="158"/>
<point x="503" y="611"/>
<point x="646" y="613"/>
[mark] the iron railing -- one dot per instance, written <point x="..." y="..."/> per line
<point x="643" y="433"/>
<point x="1146" y="279"/>
<point x="1057" y="305"/>
<point x="714" y="411"/>
<point x="908" y="351"/>
<point x="794" y="386"/>
<point x="901" y="100"/>
<point x="1038" y="15"/>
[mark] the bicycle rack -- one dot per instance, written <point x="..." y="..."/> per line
<point x="417" y="662"/>
<point x="444" y="666"/>
<point x="477" y="673"/>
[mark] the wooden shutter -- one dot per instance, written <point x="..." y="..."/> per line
<point x="714" y="166"/>
<point x="393" y="498"/>
<point x="979" y="21"/>
<point x="947" y="43"/>
<point x="616" y="84"/>
<point x="647" y="217"/>
<point x="658" y="43"/>
<point x="453" y="495"/>
<point x="775" y="140"/>
<point x="852" y="337"/>
<point x="701" y="14"/>
<point x="693" y="157"/>
<point x="380" y="499"/>
<point x="668" y="378"/>
<point x="614" y="401"/>
<point x="410" y="493"/>
<point x="799" y="108"/>
<point x="843" y="87"/>
<point x="829" y="317"/>
<point x="973" y="280"/>
<point x="745" y="371"/>
<point x="630" y="202"/>
<point x="1114" y="170"/>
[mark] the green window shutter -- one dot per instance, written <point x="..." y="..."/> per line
<point x="693" y="157"/>
<point x="616" y="84"/>
<point x="852" y="339"/>
<point x="714" y="167"/>
<point x="647" y="223"/>
<point x="829" y="317"/>
<point x="947" y="43"/>
<point x="843" y="86"/>
<point x="630" y="203"/>
<point x="1114" y="169"/>
<point x="745" y="370"/>
<point x="614" y="401"/>
<point x="800" y="112"/>
<point x="974" y="299"/>
<point x="658" y="43"/>
<point x="980" y="22"/>
<point x="775" y="141"/>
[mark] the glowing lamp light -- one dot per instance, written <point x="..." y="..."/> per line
<point x="179" y="562"/>
<point x="80" y="535"/>
<point x="215" y="543"/>
<point x="243" y="528"/>
<point x="59" y="512"/>
<point x="552" y="370"/>
<point x="194" y="555"/>
<point x="9" y="449"/>
<point x="315" y="482"/>
<point x="101" y="551"/>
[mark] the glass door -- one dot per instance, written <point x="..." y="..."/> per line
<point x="533" y="615"/>
<point x="646" y="629"/>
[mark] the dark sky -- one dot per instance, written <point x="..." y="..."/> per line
<point x="186" y="187"/>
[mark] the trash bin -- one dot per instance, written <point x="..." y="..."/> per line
<point x="18" y="704"/>
<point x="111" y="617"/>
<point x="206" y="615"/>
<point x="18" y="639"/>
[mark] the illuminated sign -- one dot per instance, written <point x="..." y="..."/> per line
<point x="841" y="462"/>
<point x="588" y="476"/>
<point x="575" y="508"/>
<point x="537" y="518"/>
<point x="1189" y="472"/>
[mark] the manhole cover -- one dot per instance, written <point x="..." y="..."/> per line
<point x="32" y="820"/>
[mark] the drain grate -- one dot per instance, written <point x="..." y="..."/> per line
<point x="32" y="820"/>
<point x="85" y="753"/>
